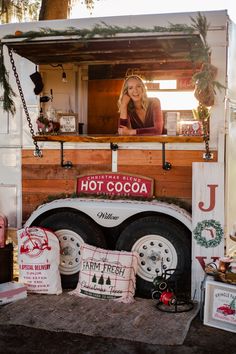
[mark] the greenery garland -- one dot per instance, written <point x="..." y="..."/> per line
<point x="102" y="30"/>
<point x="206" y="224"/>
<point x="204" y="80"/>
<point x="8" y="93"/>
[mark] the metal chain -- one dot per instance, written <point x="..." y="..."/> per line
<point x="37" y="151"/>
<point x="206" y="140"/>
<point x="205" y="121"/>
<point x="208" y="153"/>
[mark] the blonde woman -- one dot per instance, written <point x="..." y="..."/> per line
<point x="139" y="115"/>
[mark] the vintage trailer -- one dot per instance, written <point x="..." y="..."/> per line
<point x="170" y="197"/>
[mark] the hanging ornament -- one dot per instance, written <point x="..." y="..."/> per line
<point x="37" y="80"/>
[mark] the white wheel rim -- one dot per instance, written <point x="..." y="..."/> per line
<point x="70" y="243"/>
<point x="152" y="251"/>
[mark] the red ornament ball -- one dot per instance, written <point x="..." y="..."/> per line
<point x="18" y="33"/>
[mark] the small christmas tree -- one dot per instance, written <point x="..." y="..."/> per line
<point x="232" y="305"/>
<point x="101" y="280"/>
<point x="108" y="281"/>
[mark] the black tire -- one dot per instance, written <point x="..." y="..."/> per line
<point x="156" y="238"/>
<point x="72" y="230"/>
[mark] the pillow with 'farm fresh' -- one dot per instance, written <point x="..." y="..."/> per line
<point x="107" y="274"/>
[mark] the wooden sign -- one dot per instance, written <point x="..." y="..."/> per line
<point x="185" y="83"/>
<point x="207" y="219"/>
<point x="191" y="128"/>
<point x="68" y="122"/>
<point x="152" y="86"/>
<point x="115" y="184"/>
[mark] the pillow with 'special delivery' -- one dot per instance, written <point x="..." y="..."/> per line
<point x="38" y="260"/>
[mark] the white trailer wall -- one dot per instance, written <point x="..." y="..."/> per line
<point x="231" y="143"/>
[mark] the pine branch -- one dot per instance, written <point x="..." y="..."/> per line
<point x="200" y="24"/>
<point x="102" y="30"/>
<point x="8" y="93"/>
<point x="204" y="80"/>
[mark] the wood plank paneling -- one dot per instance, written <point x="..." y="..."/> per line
<point x="53" y="157"/>
<point x="43" y="177"/>
<point x="49" y="185"/>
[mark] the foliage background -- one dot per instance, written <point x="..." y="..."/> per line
<point x="34" y="10"/>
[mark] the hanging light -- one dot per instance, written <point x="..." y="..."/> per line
<point x="63" y="77"/>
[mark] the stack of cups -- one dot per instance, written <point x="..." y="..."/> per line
<point x="172" y="119"/>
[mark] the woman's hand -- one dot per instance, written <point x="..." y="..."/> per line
<point x="125" y="100"/>
<point x="124" y="106"/>
<point x="123" y="130"/>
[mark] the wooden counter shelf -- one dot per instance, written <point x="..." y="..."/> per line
<point x="115" y="139"/>
<point x="119" y="139"/>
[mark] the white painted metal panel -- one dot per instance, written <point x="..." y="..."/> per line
<point x="231" y="62"/>
<point x="8" y="203"/>
<point x="33" y="110"/>
<point x="230" y="182"/>
<point x="14" y="132"/>
<point x="10" y="185"/>
<point x="231" y="143"/>
<point x="10" y="127"/>
<point x="4" y="126"/>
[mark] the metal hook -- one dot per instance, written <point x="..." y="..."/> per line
<point x="165" y="164"/>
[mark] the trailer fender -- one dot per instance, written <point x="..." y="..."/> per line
<point x="111" y="213"/>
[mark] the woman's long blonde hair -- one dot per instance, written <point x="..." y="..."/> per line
<point x="125" y="90"/>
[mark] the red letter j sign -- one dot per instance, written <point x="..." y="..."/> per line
<point x="212" y="198"/>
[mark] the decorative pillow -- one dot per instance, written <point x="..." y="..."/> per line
<point x="38" y="259"/>
<point x="107" y="274"/>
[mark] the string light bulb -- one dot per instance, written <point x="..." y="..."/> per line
<point x="64" y="79"/>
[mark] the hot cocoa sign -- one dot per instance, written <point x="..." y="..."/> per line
<point x="116" y="184"/>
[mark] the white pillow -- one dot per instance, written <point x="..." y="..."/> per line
<point x="38" y="259"/>
<point x="107" y="274"/>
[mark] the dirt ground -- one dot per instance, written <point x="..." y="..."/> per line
<point x="201" y="339"/>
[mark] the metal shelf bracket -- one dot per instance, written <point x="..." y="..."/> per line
<point x="165" y="164"/>
<point x="67" y="164"/>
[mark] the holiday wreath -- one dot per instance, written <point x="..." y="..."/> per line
<point x="208" y="225"/>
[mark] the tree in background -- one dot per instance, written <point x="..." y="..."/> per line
<point x="60" y="9"/>
<point x="34" y="10"/>
<point x="19" y="10"/>
<point x="55" y="10"/>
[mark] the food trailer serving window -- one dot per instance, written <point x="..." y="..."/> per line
<point x="95" y="69"/>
